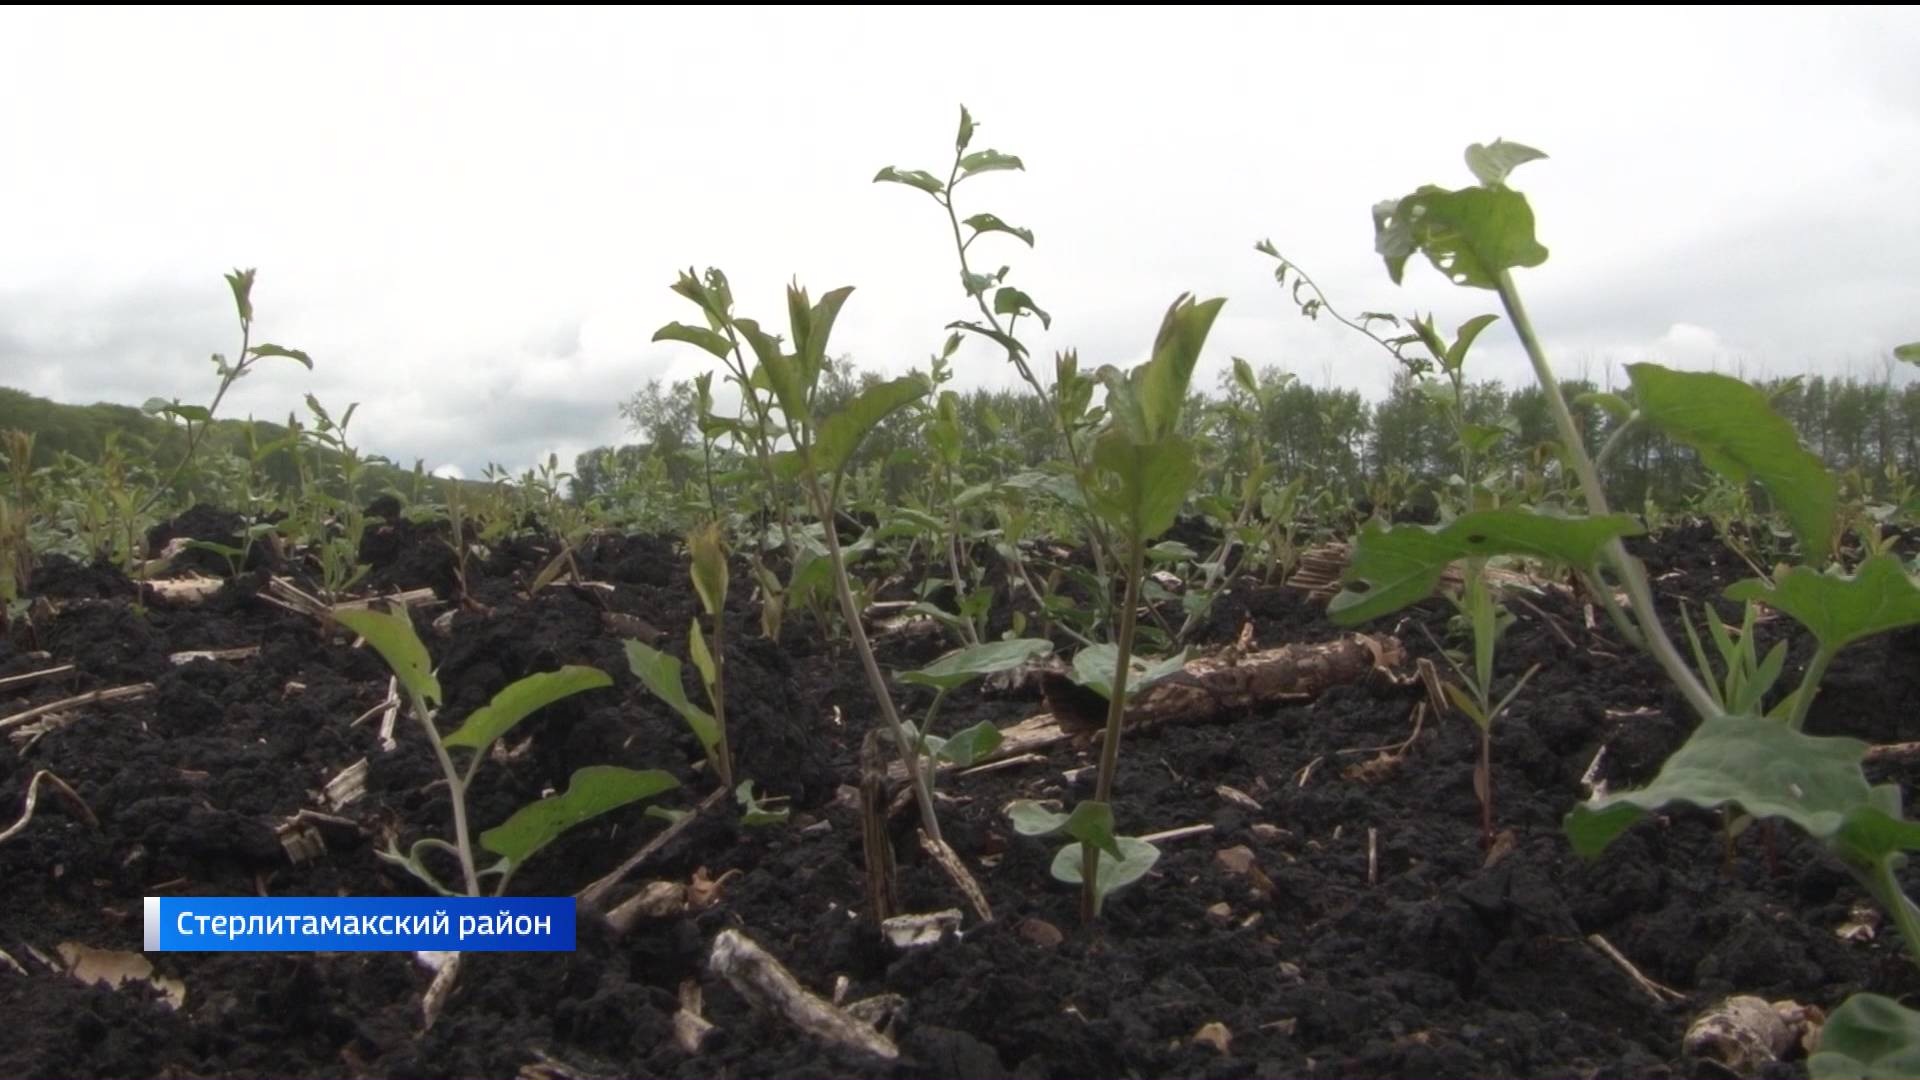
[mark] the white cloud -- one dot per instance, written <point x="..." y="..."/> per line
<point x="472" y="223"/>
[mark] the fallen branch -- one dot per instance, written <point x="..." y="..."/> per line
<point x="92" y="697"/>
<point x="1207" y="689"/>
<point x="758" y="977"/>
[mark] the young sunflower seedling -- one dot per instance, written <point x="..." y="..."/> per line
<point x="1141" y="472"/>
<point x="822" y="448"/>
<point x="592" y="791"/>
<point x="661" y="672"/>
<point x="1768" y="769"/>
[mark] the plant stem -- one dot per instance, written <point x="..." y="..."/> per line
<point x="1632" y="575"/>
<point x="1809" y="686"/>
<point x="456" y="787"/>
<point x="1885" y="888"/>
<point x="876" y="682"/>
<point x="1116" y="712"/>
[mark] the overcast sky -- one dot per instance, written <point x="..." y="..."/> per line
<point x="471" y="218"/>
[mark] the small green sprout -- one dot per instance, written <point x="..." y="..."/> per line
<point x="592" y="791"/>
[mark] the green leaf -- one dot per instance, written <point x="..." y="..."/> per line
<point x="1090" y="822"/>
<point x="1741" y="437"/>
<point x="1141" y="486"/>
<point x="709" y="340"/>
<point x="1392" y="568"/>
<point x="1011" y="301"/>
<point x="918" y="178"/>
<point x="965" y="135"/>
<point x="592" y="791"/>
<point x="219" y="549"/>
<point x="986" y="223"/>
<point x="1136" y="857"/>
<point x="812" y="327"/>
<point x="391" y="635"/>
<point x="782" y="374"/>
<point x="1163" y="383"/>
<point x="840" y="434"/>
<point x="969" y="745"/>
<point x="1472" y="235"/>
<point x="1761" y="765"/>
<point x="1463" y="339"/>
<point x="192" y="414"/>
<point x="1612" y="404"/>
<point x="1243" y="375"/>
<point x="962" y="665"/>
<point x="522" y="699"/>
<point x="1005" y="341"/>
<point x="1910" y="352"/>
<point x="275" y="350"/>
<point x="661" y="674"/>
<point x="1492" y="163"/>
<point x="702" y="658"/>
<point x="709" y="548"/>
<point x="241" y="282"/>
<point x="754" y="812"/>
<point x="1869" y="1037"/>
<point x="1031" y="819"/>
<point x="1841" y="610"/>
<point x="981" y="161"/>
<point x="1093" y="668"/>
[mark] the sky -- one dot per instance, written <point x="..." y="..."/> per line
<point x="471" y="222"/>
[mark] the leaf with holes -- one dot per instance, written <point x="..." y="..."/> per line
<point x="986" y="223"/>
<point x="1472" y="235"/>
<point x="1394" y="567"/>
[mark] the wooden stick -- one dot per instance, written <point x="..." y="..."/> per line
<point x="1659" y="993"/>
<point x="1893" y="751"/>
<point x="594" y="896"/>
<point x="244" y="652"/>
<point x="757" y="976"/>
<point x="92" y="697"/>
<point x="950" y="862"/>
<point x="1177" y="834"/>
<point x="12" y="681"/>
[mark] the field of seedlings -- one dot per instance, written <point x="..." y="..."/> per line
<point x="1110" y="728"/>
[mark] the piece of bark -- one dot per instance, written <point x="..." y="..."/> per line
<point x="1208" y="688"/>
<point x="758" y="977"/>
<point x="1216" y="686"/>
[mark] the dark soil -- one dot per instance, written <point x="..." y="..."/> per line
<point x="1444" y="964"/>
